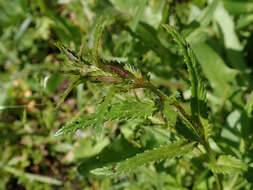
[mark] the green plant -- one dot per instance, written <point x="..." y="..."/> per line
<point x="150" y="113"/>
<point x="121" y="78"/>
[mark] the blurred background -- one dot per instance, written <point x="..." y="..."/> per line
<point x="31" y="84"/>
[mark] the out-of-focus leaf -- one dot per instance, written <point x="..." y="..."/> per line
<point x="170" y="114"/>
<point x="231" y="40"/>
<point x="66" y="31"/>
<point x="246" y="123"/>
<point x="73" y="84"/>
<point x="135" y="9"/>
<point x="152" y="136"/>
<point x="244" y="21"/>
<point x="203" y="21"/>
<point x="52" y="83"/>
<point x="229" y="165"/>
<point x="90" y="149"/>
<point x="148" y="36"/>
<point x="32" y="177"/>
<point x="152" y="14"/>
<point x="207" y="15"/>
<point x="227" y="26"/>
<point x="23" y="27"/>
<point x="219" y="75"/>
<point x="239" y="7"/>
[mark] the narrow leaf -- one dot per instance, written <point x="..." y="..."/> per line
<point x="67" y="52"/>
<point x="102" y="111"/>
<point x="198" y="92"/>
<point x="32" y="177"/>
<point x="72" y="85"/>
<point x="96" y="39"/>
<point x="157" y="154"/>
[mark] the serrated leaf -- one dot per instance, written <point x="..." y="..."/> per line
<point x="83" y="123"/>
<point x="157" y="154"/>
<point x="123" y="110"/>
<point x="198" y="91"/>
<point x="127" y="110"/>
<point x="96" y="119"/>
<point x="229" y="165"/>
<point x="116" y="151"/>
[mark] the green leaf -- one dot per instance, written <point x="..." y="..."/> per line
<point x="244" y="21"/>
<point x="123" y="110"/>
<point x="153" y="14"/>
<point x="231" y="41"/>
<point x="249" y="105"/>
<point x="219" y="75"/>
<point x="130" y="110"/>
<point x="134" y="8"/>
<point x="246" y="123"/>
<point x="148" y="36"/>
<point x="153" y="136"/>
<point x="74" y="82"/>
<point x="96" y="39"/>
<point x="170" y="114"/>
<point x="229" y="165"/>
<point x="239" y="7"/>
<point x="32" y="177"/>
<point x="67" y="52"/>
<point x="96" y="119"/>
<point x="207" y="15"/>
<point x="198" y="91"/>
<point x="102" y="111"/>
<point x="116" y="151"/>
<point x="204" y="20"/>
<point x="157" y="154"/>
<point x="83" y="123"/>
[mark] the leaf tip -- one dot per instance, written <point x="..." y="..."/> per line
<point x="59" y="133"/>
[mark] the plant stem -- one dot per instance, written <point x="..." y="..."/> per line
<point x="197" y="129"/>
<point x="233" y="182"/>
<point x="212" y="161"/>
